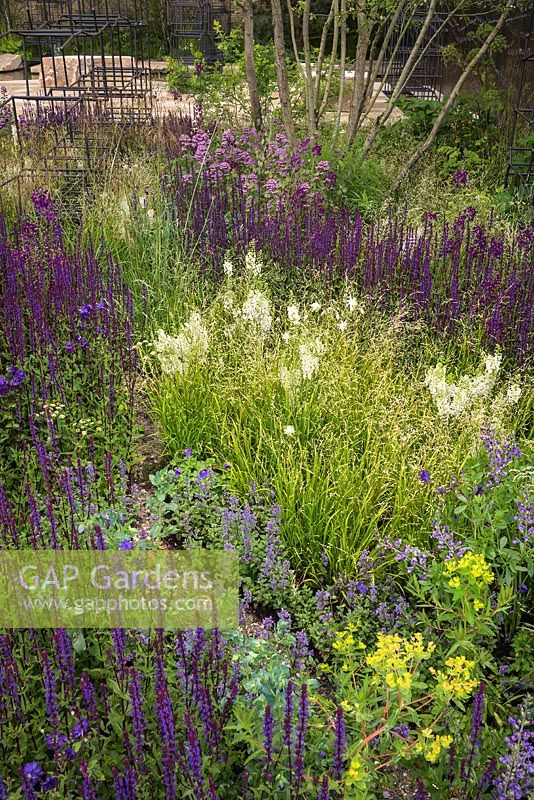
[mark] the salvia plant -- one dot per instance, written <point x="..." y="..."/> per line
<point x="416" y="657"/>
<point x="450" y="274"/>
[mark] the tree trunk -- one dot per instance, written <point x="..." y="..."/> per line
<point x="454" y="94"/>
<point x="321" y="55"/>
<point x="342" y="64"/>
<point x="310" y="85"/>
<point x="333" y="56"/>
<point x="369" y="95"/>
<point x="403" y="77"/>
<point x="281" y="70"/>
<point x="250" y="66"/>
<point x="356" y="100"/>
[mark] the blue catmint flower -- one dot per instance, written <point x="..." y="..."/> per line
<point x="301" y="650"/>
<point x="424" y="476"/>
<point x="285" y="616"/>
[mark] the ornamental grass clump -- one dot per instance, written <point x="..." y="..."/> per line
<point x="326" y="400"/>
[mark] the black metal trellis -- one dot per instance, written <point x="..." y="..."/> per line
<point x="95" y="48"/>
<point x="95" y="70"/>
<point x="521" y="159"/>
<point x="193" y="29"/>
<point x="425" y="81"/>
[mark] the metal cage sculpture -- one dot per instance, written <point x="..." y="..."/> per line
<point x="426" y="77"/>
<point x="520" y="170"/>
<point x="83" y="43"/>
<point x="192" y="29"/>
<point x="87" y="78"/>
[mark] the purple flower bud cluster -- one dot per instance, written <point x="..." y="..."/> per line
<point x="515" y="777"/>
<point x="301" y="731"/>
<point x="138" y="720"/>
<point x="447" y="544"/>
<point x="413" y="558"/>
<point x="16" y="377"/>
<point x="459" y="178"/>
<point x="50" y="696"/>
<point x="268" y="730"/>
<point x="445" y="273"/>
<point x="525" y="521"/>
<point x="339" y="744"/>
<point x="500" y="455"/>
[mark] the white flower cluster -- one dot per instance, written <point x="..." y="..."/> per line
<point x="293" y="315"/>
<point x="501" y="405"/>
<point x="191" y="345"/>
<point x="256" y="311"/>
<point x="289" y="378"/>
<point x="228" y="268"/>
<point x="309" y="353"/>
<point x="253" y="263"/>
<point x="513" y="393"/>
<point x="454" y="399"/>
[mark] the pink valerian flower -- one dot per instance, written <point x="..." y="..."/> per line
<point x="271" y="186"/>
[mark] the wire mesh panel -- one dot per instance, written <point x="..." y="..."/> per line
<point x="193" y="29"/>
<point x="95" y="70"/>
<point x="426" y="77"/>
<point x="521" y="162"/>
<point x="91" y="48"/>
